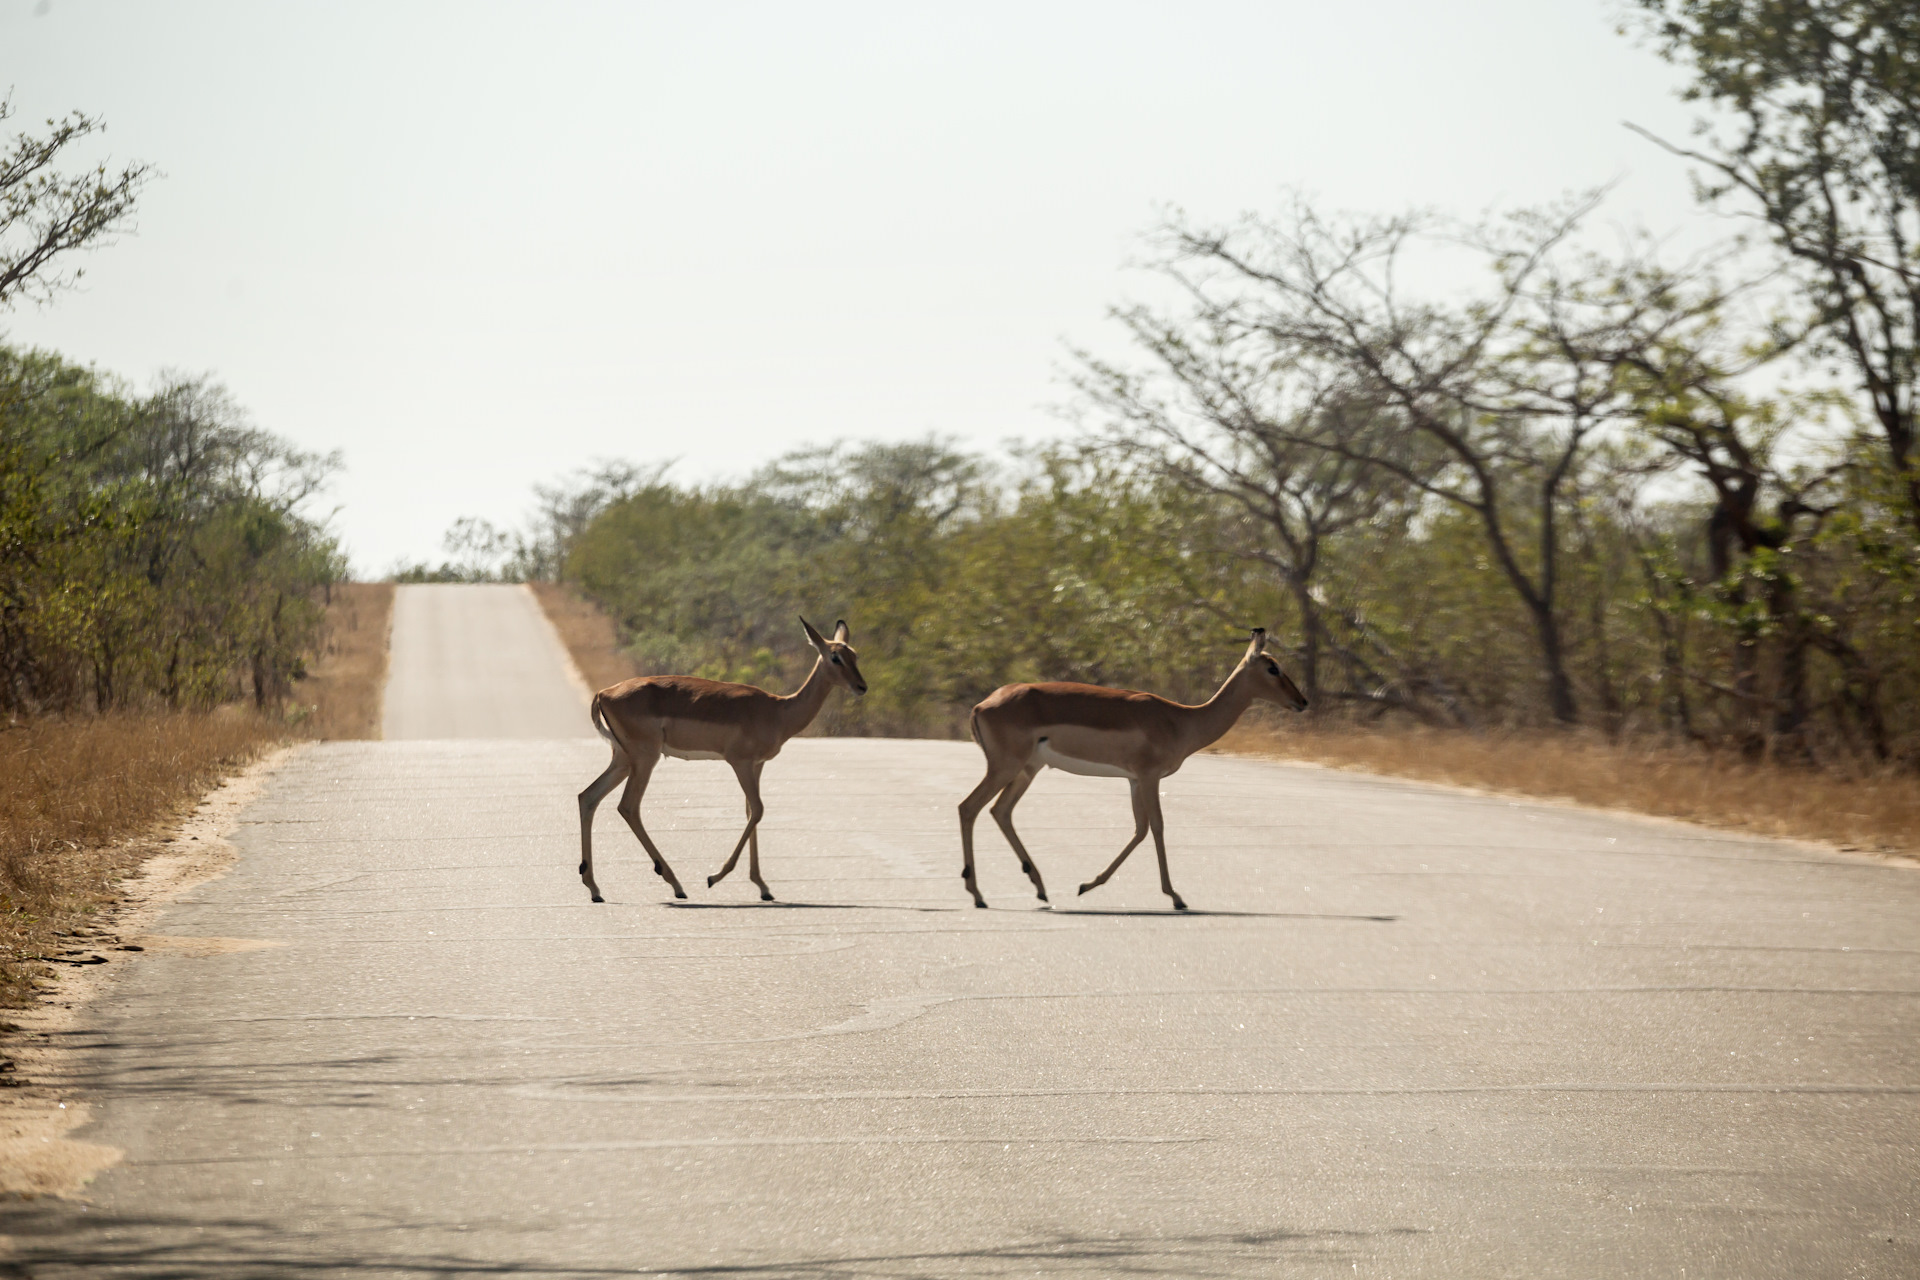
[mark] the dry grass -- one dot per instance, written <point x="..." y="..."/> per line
<point x="81" y="803"/>
<point x="1879" y="812"/>
<point x="587" y="633"/>
<point x="344" y="684"/>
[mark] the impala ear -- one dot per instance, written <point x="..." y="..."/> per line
<point x="840" y="632"/>
<point x="814" y="638"/>
<point x="1257" y="645"/>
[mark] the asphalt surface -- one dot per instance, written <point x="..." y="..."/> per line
<point x="478" y="662"/>
<point x="1405" y="1032"/>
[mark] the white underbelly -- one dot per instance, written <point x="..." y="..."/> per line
<point x="679" y="754"/>
<point x="1046" y="755"/>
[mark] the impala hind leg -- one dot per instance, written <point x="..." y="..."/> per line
<point x="630" y="810"/>
<point x="1152" y="789"/>
<point x="1140" y="825"/>
<point x="749" y="775"/>
<point x="589" y="801"/>
<point x="1003" y="816"/>
<point x="998" y="779"/>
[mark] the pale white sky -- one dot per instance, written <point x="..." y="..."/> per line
<point x="476" y="246"/>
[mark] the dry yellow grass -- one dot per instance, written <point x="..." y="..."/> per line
<point x="588" y="634"/>
<point x="82" y="803"/>
<point x="344" y="683"/>
<point x="1879" y="811"/>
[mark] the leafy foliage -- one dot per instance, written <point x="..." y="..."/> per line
<point x="152" y="548"/>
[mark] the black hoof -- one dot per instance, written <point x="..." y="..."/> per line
<point x="710" y="880"/>
<point x="1179" y="905"/>
<point x="1085" y="887"/>
<point x="1043" y="897"/>
<point x="981" y="905"/>
<point x="598" y="898"/>
<point x="679" y="893"/>
<point x="766" y="897"/>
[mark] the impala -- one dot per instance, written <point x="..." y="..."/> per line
<point x="1104" y="733"/>
<point x="693" y="719"/>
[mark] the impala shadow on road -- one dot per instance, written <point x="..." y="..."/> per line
<point x="1192" y="912"/>
<point x="806" y="906"/>
<point x="1145" y="913"/>
<point x="170" y="1248"/>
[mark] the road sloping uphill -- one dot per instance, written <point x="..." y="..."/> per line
<point x="1405" y="1031"/>
<point x="478" y="661"/>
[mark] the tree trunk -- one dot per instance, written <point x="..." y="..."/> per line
<point x="1310" y="630"/>
<point x="1788" y="736"/>
<point x="103" y="681"/>
<point x="1860" y="690"/>
<point x="1560" y="699"/>
<point x="173" y="675"/>
<point x="1746" y="689"/>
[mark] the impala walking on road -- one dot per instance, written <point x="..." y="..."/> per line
<point x="694" y="719"/>
<point x="1105" y="733"/>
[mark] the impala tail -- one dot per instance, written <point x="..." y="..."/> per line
<point x="599" y="715"/>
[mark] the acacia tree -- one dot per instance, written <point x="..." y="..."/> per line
<point x="1498" y="407"/>
<point x="1824" y="148"/>
<point x="1215" y="413"/>
<point x="46" y="215"/>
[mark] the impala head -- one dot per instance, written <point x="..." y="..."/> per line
<point x="1269" y="681"/>
<point x="842" y="662"/>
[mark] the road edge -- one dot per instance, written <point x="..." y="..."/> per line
<point x="37" y="1157"/>
<point x="1839" y="852"/>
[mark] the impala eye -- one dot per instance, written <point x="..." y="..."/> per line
<point x="836" y="659"/>
<point x="1272" y="670"/>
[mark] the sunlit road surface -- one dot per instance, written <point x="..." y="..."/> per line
<point x="478" y="662"/>
<point x="1405" y="1032"/>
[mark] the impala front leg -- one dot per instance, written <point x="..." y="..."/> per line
<point x="1140" y="824"/>
<point x="749" y="776"/>
<point x="1152" y="788"/>
<point x="753" y="841"/>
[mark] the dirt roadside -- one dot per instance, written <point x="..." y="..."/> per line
<point x="39" y="1103"/>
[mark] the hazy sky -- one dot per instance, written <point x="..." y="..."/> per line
<point x="477" y="246"/>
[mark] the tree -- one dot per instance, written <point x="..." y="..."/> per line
<point x="1287" y="446"/>
<point x="150" y="546"/>
<point x="1824" y="148"/>
<point x="46" y="215"/>
<point x="1495" y="406"/>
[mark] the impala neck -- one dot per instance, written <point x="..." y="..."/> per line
<point x="1207" y="723"/>
<point x="798" y="708"/>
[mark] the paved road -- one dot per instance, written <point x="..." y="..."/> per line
<point x="478" y="662"/>
<point x="1406" y="1032"/>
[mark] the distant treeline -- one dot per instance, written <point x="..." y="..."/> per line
<point x="1097" y="562"/>
<point x="152" y="549"/>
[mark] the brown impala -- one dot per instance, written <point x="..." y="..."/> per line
<point x="1105" y="733"/>
<point x="693" y="719"/>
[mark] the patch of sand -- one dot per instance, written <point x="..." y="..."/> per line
<point x="201" y="948"/>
